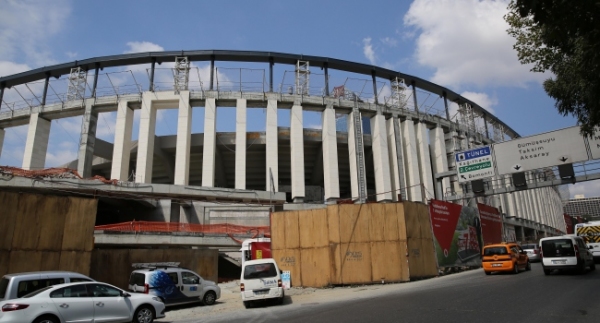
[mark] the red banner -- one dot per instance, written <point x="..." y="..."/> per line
<point x="569" y="223"/>
<point x="491" y="224"/>
<point x="444" y="217"/>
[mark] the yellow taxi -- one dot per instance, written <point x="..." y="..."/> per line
<point x="504" y="256"/>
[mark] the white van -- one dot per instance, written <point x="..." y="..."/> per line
<point x="567" y="252"/>
<point x="260" y="281"/>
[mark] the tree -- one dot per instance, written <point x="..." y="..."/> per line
<point x="562" y="37"/>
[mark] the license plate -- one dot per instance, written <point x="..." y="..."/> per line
<point x="496" y="265"/>
<point x="261" y="292"/>
<point x="559" y="262"/>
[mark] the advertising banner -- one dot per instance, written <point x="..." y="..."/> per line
<point x="569" y="223"/>
<point x="491" y="224"/>
<point x="457" y="232"/>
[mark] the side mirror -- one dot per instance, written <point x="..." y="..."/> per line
<point x="591" y="247"/>
<point x="125" y="294"/>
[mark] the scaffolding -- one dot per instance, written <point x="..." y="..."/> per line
<point x="302" y="77"/>
<point x="76" y="86"/>
<point x="398" y="98"/>
<point x="181" y="74"/>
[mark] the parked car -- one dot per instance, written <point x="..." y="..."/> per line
<point x="568" y="252"/>
<point x="533" y="251"/>
<point x="19" y="284"/>
<point x="505" y="256"/>
<point x="82" y="302"/>
<point x="260" y="281"/>
<point x="173" y="284"/>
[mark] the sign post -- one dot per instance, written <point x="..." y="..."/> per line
<point x="474" y="164"/>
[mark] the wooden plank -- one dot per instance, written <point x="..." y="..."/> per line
<point x="335" y="265"/>
<point x="50" y="260"/>
<point x="51" y="218"/>
<point x="354" y="223"/>
<point x="413" y="228"/>
<point x="111" y="266"/>
<point x="4" y="262"/>
<point x="376" y="222"/>
<point x="77" y="261"/>
<point x="390" y="211"/>
<point x="305" y="228"/>
<point x="385" y="262"/>
<point x="27" y="226"/>
<point x="320" y="229"/>
<point x="278" y="230"/>
<point x="292" y="230"/>
<point x="289" y="259"/>
<point x="333" y="223"/>
<point x="80" y="219"/>
<point x="24" y="260"/>
<point x="10" y="210"/>
<point x="400" y="207"/>
<point x="355" y="266"/>
<point x="314" y="267"/>
<point x="420" y="259"/>
<point x="404" y="260"/>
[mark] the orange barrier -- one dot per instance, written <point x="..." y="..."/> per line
<point x="51" y="172"/>
<point x="150" y="226"/>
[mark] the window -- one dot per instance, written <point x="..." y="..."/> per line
<point x="3" y="286"/>
<point x="99" y="290"/>
<point x="188" y="278"/>
<point x="27" y="286"/>
<point x="174" y="278"/>
<point x="37" y="292"/>
<point x="260" y="271"/>
<point x="78" y="280"/>
<point x="495" y="251"/>
<point x="71" y="291"/>
<point x="137" y="279"/>
<point x="558" y="248"/>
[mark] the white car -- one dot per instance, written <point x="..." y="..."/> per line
<point x="82" y="302"/>
<point x="261" y="281"/>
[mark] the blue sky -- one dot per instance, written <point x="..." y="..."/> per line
<point x="460" y="44"/>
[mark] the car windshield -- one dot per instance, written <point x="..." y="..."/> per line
<point x="36" y="292"/>
<point x="260" y="271"/>
<point x="558" y="248"/>
<point x="491" y="251"/>
<point x="528" y="246"/>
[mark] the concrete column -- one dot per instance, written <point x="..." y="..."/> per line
<point x="122" y="143"/>
<point x="297" y="153"/>
<point x="331" y="176"/>
<point x="210" y="143"/>
<point x="272" y="151"/>
<point x="354" y="173"/>
<point x="394" y="139"/>
<point x="425" y="161"/>
<point x="145" y="153"/>
<point x="538" y="207"/>
<point x="2" y="133"/>
<point x="381" y="158"/>
<point x="413" y="180"/>
<point x="184" y="138"/>
<point x="240" y="144"/>
<point x="36" y="145"/>
<point x="440" y="160"/>
<point x="88" y="140"/>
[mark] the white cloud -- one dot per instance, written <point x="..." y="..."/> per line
<point x="26" y="28"/>
<point x="482" y="99"/>
<point x="71" y="55"/>
<point x="588" y="189"/>
<point x="368" y="50"/>
<point x="143" y="46"/>
<point x="466" y="43"/>
<point x="59" y="157"/>
<point x="391" y="42"/>
<point x="10" y="68"/>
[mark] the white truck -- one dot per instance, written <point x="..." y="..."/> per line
<point x="590" y="232"/>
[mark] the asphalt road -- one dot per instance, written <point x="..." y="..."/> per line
<point x="470" y="296"/>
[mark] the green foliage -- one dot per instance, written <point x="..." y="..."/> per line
<point x="452" y="253"/>
<point x="562" y="37"/>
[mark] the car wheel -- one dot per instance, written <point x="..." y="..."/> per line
<point x="247" y="304"/>
<point x="46" y="319"/>
<point x="593" y="266"/>
<point x="547" y="271"/>
<point x="528" y="267"/>
<point x="487" y="272"/>
<point x="209" y="298"/>
<point x="515" y="268"/>
<point x="581" y="268"/>
<point x="143" y="314"/>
